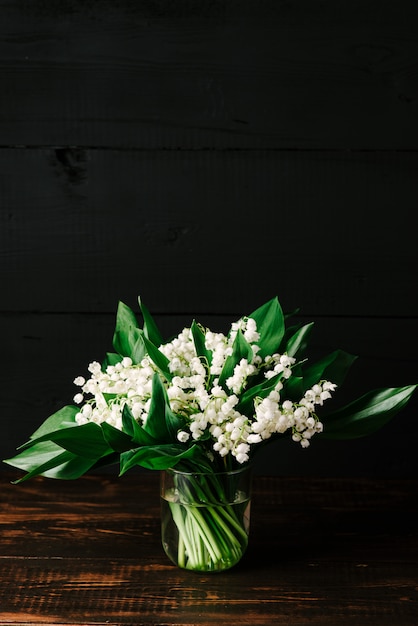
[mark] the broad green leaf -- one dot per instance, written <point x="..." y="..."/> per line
<point x="295" y="386"/>
<point x="333" y="367"/>
<point x="85" y="440"/>
<point x="139" y="350"/>
<point x="72" y="468"/>
<point x="139" y="436"/>
<point x="155" y="424"/>
<point x="150" y="328"/>
<point x="34" y="456"/>
<point x="126" y="331"/>
<point x="159" y="359"/>
<point x="63" y="418"/>
<point x="155" y="457"/>
<point x="111" y="358"/>
<point x="271" y="326"/>
<point x="241" y="349"/>
<point x="50" y="460"/>
<point x="298" y="340"/>
<point x="202" y="352"/>
<point x="110" y="459"/>
<point x="174" y="422"/>
<point x="115" y="438"/>
<point x="338" y="366"/>
<point x="366" y="414"/>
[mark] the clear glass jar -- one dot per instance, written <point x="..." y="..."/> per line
<point x="205" y="517"/>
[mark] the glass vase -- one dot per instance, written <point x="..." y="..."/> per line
<point x="205" y="518"/>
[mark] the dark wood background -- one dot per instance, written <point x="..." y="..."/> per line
<point x="208" y="155"/>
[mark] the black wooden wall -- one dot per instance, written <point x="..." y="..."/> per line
<point x="208" y="155"/>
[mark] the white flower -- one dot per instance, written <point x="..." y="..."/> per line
<point x="250" y="332"/>
<point x="94" y="367"/>
<point x="241" y="371"/>
<point x="182" y="436"/>
<point x="195" y="394"/>
<point x="218" y="392"/>
<point x="86" y="411"/>
<point x="328" y="386"/>
<point x="241" y="452"/>
<point x="254" y="438"/>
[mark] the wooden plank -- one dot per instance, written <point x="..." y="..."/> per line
<point x="119" y="592"/>
<point x="44" y="353"/>
<point x="209" y="74"/>
<point x="208" y="232"/>
<point x="321" y="552"/>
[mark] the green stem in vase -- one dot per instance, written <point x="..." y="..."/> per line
<point x="185" y="544"/>
<point x="211" y="533"/>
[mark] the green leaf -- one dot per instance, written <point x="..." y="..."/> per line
<point x="34" y="456"/>
<point x="337" y="366"/>
<point x="241" y="349"/>
<point x="202" y="352"/>
<point x="64" y="418"/>
<point x="298" y="340"/>
<point x="271" y="326"/>
<point x="126" y="332"/>
<point x="150" y="328"/>
<point x="139" y="436"/>
<point x="115" y="438"/>
<point x="159" y="359"/>
<point x="366" y="414"/>
<point x="295" y="386"/>
<point x="139" y="350"/>
<point x="155" y="457"/>
<point x="174" y="423"/>
<point x="333" y="367"/>
<point x="111" y="358"/>
<point x="155" y="424"/>
<point x="85" y="440"/>
<point x="70" y="467"/>
<point x="48" y="459"/>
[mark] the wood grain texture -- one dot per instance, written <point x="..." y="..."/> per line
<point x="322" y="551"/>
<point x="209" y="74"/>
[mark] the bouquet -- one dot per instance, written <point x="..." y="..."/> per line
<point x="203" y="402"/>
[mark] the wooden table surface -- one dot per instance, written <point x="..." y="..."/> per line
<point x="322" y="552"/>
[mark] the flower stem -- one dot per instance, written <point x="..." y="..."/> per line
<point x="206" y="523"/>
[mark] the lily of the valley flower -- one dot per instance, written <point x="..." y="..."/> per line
<point x="194" y="392"/>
